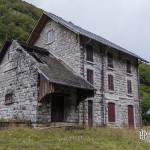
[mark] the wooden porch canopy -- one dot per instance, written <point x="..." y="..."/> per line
<point x="46" y="88"/>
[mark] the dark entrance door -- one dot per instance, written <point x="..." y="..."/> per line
<point x="90" y="113"/>
<point x="130" y="116"/>
<point x="57" y="109"/>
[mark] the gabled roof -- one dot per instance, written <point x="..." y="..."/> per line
<point x="81" y="31"/>
<point x="55" y="70"/>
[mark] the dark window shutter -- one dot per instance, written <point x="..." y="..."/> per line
<point x="111" y="82"/>
<point x="89" y="53"/>
<point x="110" y="60"/>
<point x="90" y="76"/>
<point x="129" y="87"/>
<point x="128" y="66"/>
<point x="111" y="112"/>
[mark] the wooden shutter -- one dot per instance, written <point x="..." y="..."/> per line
<point x="110" y="82"/>
<point x="129" y="87"/>
<point x="110" y="60"/>
<point x="89" y="53"/>
<point x="90" y="76"/>
<point x="111" y="112"/>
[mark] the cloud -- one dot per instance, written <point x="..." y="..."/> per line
<point x="125" y="22"/>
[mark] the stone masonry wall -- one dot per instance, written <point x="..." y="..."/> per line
<point x="119" y="96"/>
<point x="65" y="45"/>
<point x="18" y="75"/>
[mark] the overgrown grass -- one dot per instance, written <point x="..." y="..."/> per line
<point x="60" y="139"/>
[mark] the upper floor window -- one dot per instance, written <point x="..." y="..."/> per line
<point x="89" y="53"/>
<point x="129" y="86"/>
<point x="111" y="112"/>
<point x="128" y="66"/>
<point x="50" y="36"/>
<point x="90" y="75"/>
<point x="110" y="60"/>
<point x="110" y="82"/>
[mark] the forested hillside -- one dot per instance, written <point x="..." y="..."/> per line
<point x="17" y="19"/>
<point x="145" y="91"/>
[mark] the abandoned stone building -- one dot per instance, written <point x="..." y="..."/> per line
<point x="65" y="74"/>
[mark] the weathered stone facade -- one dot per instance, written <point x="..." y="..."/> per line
<point x="18" y="75"/>
<point x="68" y="47"/>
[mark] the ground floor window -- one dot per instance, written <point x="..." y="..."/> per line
<point x="8" y="98"/>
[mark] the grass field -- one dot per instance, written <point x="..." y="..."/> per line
<point x="60" y="139"/>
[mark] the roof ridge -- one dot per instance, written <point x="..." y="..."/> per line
<point x="89" y="34"/>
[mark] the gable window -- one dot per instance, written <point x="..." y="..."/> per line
<point x="9" y="98"/>
<point x="50" y="36"/>
<point x="89" y="53"/>
<point x="129" y="86"/>
<point x="111" y="112"/>
<point x="90" y="75"/>
<point x="110" y="82"/>
<point x="110" y="60"/>
<point x="128" y="66"/>
<point x="8" y="55"/>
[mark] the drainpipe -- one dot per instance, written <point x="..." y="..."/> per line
<point x="81" y="47"/>
<point x="103" y="90"/>
<point x="83" y="113"/>
<point x="138" y="81"/>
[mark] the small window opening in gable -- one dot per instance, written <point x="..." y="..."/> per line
<point x="129" y="86"/>
<point x="9" y="98"/>
<point x="89" y="53"/>
<point x="111" y="112"/>
<point x="128" y="66"/>
<point x="110" y="82"/>
<point x="50" y="36"/>
<point x="8" y="55"/>
<point x="110" y="60"/>
<point x="90" y="75"/>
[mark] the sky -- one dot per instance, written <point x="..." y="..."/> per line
<point x="124" y="22"/>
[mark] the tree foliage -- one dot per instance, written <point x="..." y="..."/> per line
<point x="145" y="91"/>
<point x="17" y="19"/>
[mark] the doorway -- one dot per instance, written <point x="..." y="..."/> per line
<point x="90" y="113"/>
<point x="130" y="116"/>
<point x="57" y="109"/>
